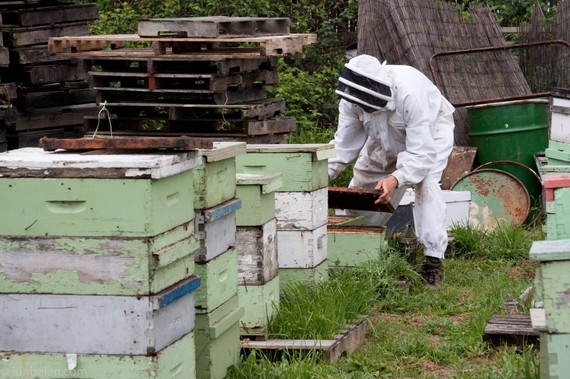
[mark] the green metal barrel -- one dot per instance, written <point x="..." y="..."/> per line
<point x="513" y="130"/>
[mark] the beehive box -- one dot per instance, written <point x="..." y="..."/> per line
<point x="218" y="281"/>
<point x="304" y="166"/>
<point x="66" y="194"/>
<point x="215" y="178"/>
<point x="216" y="229"/>
<point x="87" y="324"/>
<point x="257" y="253"/>
<point x="554" y="352"/>
<point x="260" y="303"/>
<point x="306" y="210"/>
<point x="217" y="337"/>
<point x="316" y="274"/>
<point x="353" y="245"/>
<point x="557" y="201"/>
<point x="97" y="266"/>
<point x="257" y="193"/>
<point x="554" y="258"/>
<point x="302" y="248"/>
<point x="558" y="152"/>
<point x="560" y="116"/>
<point x="176" y="361"/>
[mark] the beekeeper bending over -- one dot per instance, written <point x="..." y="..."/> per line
<point x="399" y="127"/>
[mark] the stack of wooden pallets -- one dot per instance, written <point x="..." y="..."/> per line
<point x="53" y="94"/>
<point x="204" y="76"/>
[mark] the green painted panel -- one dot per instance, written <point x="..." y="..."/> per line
<point x="260" y="303"/>
<point x="257" y="208"/>
<point x="177" y="361"/>
<point x="555" y="284"/>
<point x="353" y="246"/>
<point x="214" y="183"/>
<point x="307" y="275"/>
<point x="95" y="207"/>
<point x="219" y="278"/>
<point x="97" y="266"/>
<point x="554" y="353"/>
<point x="216" y="352"/>
<point x="299" y="171"/>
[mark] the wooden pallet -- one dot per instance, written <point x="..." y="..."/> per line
<point x="87" y="46"/>
<point x="49" y="15"/>
<point x="210" y="127"/>
<point x="510" y="328"/>
<point x="35" y="35"/>
<point x="347" y="341"/>
<point x="213" y="27"/>
<point x="179" y="82"/>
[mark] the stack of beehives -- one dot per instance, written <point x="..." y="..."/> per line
<point x="97" y="265"/>
<point x="301" y="205"/>
<point x="218" y="310"/>
<point x="256" y="241"/>
<point x="53" y="94"/>
<point x="195" y="76"/>
<point x="551" y="315"/>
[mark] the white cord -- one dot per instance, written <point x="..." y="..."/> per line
<point x="103" y="108"/>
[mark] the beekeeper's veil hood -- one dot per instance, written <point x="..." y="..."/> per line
<point x="366" y="82"/>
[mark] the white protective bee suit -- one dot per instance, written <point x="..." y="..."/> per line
<point x="405" y="130"/>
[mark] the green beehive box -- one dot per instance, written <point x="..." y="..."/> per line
<point x="218" y="340"/>
<point x="554" y="258"/>
<point x="316" y="274"/>
<point x="129" y="195"/>
<point x="176" y="361"/>
<point x="554" y="353"/>
<point x="97" y="266"/>
<point x="260" y="303"/>
<point x="215" y="178"/>
<point x="354" y="245"/>
<point x="304" y="166"/>
<point x="219" y="278"/>
<point x="257" y="193"/>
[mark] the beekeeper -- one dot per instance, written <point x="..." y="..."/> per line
<point x="397" y="125"/>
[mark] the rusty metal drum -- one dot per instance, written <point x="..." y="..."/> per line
<point x="497" y="197"/>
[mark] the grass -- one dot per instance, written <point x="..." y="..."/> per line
<point x="418" y="333"/>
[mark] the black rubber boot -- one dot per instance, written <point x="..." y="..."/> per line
<point x="432" y="272"/>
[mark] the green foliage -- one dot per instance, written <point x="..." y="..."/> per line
<point x="321" y="310"/>
<point x="504" y="242"/>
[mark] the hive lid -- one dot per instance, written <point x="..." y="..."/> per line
<point x="37" y="163"/>
<point x="550" y="250"/>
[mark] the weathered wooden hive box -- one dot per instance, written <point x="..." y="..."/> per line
<point x="301" y="205"/>
<point x="95" y="224"/>
<point x="560" y="115"/>
<point x="351" y="244"/>
<point x="256" y="242"/>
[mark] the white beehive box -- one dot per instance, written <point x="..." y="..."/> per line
<point x="216" y="228"/>
<point x="301" y="210"/>
<point x="560" y="118"/>
<point x="87" y="324"/>
<point x="302" y="248"/>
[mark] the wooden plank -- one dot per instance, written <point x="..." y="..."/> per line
<point x="52" y="117"/>
<point x="264" y="45"/>
<point x="126" y="143"/>
<point x="25" y="36"/>
<point x="460" y="162"/>
<point x="42" y="15"/>
<point x="357" y="198"/>
<point x="213" y="27"/>
<point x="347" y="341"/>
<point x="66" y="71"/>
<point x="28" y="101"/>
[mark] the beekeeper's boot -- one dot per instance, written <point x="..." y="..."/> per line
<point x="432" y="272"/>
